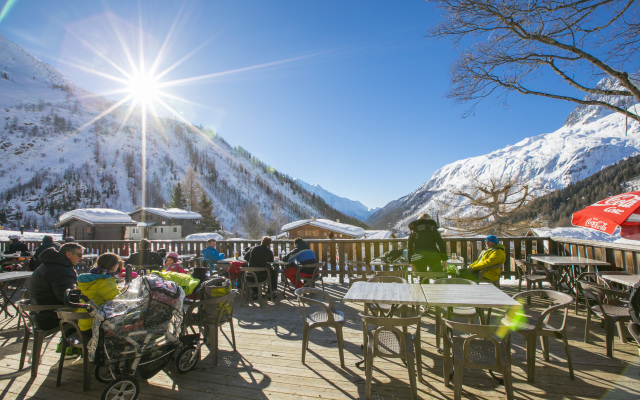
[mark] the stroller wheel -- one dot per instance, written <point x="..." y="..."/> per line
<point x="187" y="359"/>
<point x="103" y="374"/>
<point x="123" y="388"/>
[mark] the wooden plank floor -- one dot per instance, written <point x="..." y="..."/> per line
<point x="267" y="365"/>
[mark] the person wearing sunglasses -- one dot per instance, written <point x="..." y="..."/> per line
<point x="51" y="280"/>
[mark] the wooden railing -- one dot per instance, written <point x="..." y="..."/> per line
<point x="337" y="251"/>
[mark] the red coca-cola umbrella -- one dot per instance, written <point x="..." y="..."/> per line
<point x="622" y="210"/>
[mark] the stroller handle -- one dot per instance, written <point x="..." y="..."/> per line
<point x="73" y="298"/>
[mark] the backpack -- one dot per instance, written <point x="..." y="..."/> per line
<point x="634" y="303"/>
<point x="215" y="287"/>
<point x="391" y="256"/>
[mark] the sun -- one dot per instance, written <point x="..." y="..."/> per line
<point x="143" y="88"/>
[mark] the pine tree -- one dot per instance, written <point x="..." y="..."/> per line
<point x="209" y="222"/>
<point x="191" y="189"/>
<point x="177" y="197"/>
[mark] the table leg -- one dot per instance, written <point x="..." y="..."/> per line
<point x="7" y="299"/>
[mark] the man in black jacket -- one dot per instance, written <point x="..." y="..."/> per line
<point x="51" y="279"/>
<point x="17" y="246"/>
<point x="260" y="256"/>
<point x="426" y="247"/>
<point x="47" y="243"/>
<point x="145" y="256"/>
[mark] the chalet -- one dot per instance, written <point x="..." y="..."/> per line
<point x="95" y="224"/>
<point x="161" y="223"/>
<point x="322" y="229"/>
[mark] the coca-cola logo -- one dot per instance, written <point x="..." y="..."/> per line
<point x="626" y="200"/>
<point x="594" y="223"/>
<point x="613" y="210"/>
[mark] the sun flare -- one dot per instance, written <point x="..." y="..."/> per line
<point x="144" y="88"/>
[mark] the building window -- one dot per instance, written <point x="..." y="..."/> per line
<point x="161" y="230"/>
<point x="155" y="230"/>
<point x="175" y="229"/>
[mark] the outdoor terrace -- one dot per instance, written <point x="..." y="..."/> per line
<point x="267" y="364"/>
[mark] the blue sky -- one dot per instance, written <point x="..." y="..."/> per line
<point x="346" y="94"/>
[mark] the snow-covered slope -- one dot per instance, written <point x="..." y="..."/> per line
<point x="346" y="206"/>
<point x="590" y="140"/>
<point x="59" y="155"/>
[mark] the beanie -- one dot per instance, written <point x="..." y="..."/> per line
<point x="173" y="255"/>
<point x="491" y="238"/>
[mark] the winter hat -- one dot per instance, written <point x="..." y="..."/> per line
<point x="173" y="255"/>
<point x="491" y="238"/>
<point x="424" y="216"/>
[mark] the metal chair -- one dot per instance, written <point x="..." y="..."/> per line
<point x="69" y="323"/>
<point x="609" y="306"/>
<point x="255" y="283"/>
<point x="484" y="347"/>
<point x="357" y="271"/>
<point x="531" y="323"/>
<point x="390" y="338"/>
<point x="316" y="314"/>
<point x="581" y="296"/>
<point x="470" y="313"/>
<point x="534" y="274"/>
<point x="209" y="315"/>
<point x="29" y="328"/>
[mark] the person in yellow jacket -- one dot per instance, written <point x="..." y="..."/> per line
<point x="494" y="254"/>
<point x="99" y="285"/>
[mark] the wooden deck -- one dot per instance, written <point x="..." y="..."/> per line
<point x="267" y="365"/>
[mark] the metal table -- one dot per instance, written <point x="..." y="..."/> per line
<point x="18" y="279"/>
<point x="568" y="265"/>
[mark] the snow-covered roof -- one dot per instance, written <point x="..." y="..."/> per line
<point x="334" y="226"/>
<point x="145" y="224"/>
<point x="173" y="213"/>
<point x="377" y="234"/>
<point x="204" y="236"/>
<point x="96" y="216"/>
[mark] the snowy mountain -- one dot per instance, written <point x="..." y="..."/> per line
<point x="346" y="206"/>
<point x="591" y="139"/>
<point x="60" y="153"/>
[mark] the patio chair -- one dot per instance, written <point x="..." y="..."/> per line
<point x="534" y="274"/>
<point x="428" y="276"/>
<point x="482" y="279"/>
<point x="634" y="330"/>
<point x="260" y="286"/>
<point x="483" y="347"/>
<point x="609" y="306"/>
<point x="470" y="313"/>
<point x="390" y="338"/>
<point x="29" y="328"/>
<point x="317" y="314"/>
<point x="581" y="296"/>
<point x="357" y="271"/>
<point x="308" y="281"/>
<point x="531" y="323"/>
<point x="226" y="270"/>
<point x="209" y="315"/>
<point x="69" y="323"/>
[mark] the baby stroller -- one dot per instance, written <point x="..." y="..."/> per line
<point x="136" y="334"/>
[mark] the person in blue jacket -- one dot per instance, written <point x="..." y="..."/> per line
<point x="300" y="255"/>
<point x="210" y="255"/>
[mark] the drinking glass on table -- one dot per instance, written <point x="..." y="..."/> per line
<point x="453" y="256"/>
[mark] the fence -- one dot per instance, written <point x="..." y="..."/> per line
<point x="335" y="252"/>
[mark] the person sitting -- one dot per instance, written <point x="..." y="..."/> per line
<point x="47" y="243"/>
<point x="17" y="246"/>
<point x="259" y="257"/>
<point x="494" y="254"/>
<point x="173" y="264"/>
<point x="299" y="256"/>
<point x="145" y="256"/>
<point x="210" y="255"/>
<point x="50" y="281"/>
<point x="99" y="285"/>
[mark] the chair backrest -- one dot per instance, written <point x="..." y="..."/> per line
<point x="25" y="308"/>
<point x="454" y="281"/>
<point x="557" y="301"/>
<point x="253" y="272"/>
<point x="602" y="296"/>
<point x="358" y="269"/>
<point x="387" y="336"/>
<point x="307" y="304"/>
<point x="388" y="279"/>
<point x="214" y="310"/>
<point x="316" y="269"/>
<point x="428" y="276"/>
<point x="472" y="357"/>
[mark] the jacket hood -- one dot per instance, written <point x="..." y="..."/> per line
<point x="51" y="255"/>
<point x="496" y="247"/>
<point x="88" y="278"/>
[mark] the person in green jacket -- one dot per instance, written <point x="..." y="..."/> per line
<point x="99" y="285"/>
<point x="494" y="254"/>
